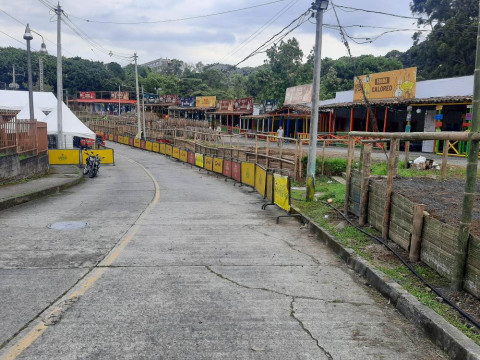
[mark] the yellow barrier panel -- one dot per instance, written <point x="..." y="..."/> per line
<point x="169" y="150"/>
<point x="184" y="156"/>
<point x="106" y="156"/>
<point x="176" y="153"/>
<point x="136" y="143"/>
<point x="218" y="165"/>
<point x="261" y="180"/>
<point x="110" y="137"/>
<point x="120" y="139"/>
<point x="199" y="160"/>
<point x="269" y="193"/>
<point x="162" y="149"/>
<point x="281" y="189"/>
<point x="64" y="157"/>
<point x="156" y="147"/>
<point x="248" y="174"/>
<point x="148" y="146"/>
<point x="208" y="163"/>
<point x="126" y="140"/>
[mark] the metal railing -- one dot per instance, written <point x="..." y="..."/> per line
<point x="18" y="136"/>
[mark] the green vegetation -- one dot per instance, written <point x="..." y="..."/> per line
<point x="333" y="166"/>
<point x="364" y="246"/>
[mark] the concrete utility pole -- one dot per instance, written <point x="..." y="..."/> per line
<point x="28" y="36"/>
<point x="470" y="183"/>
<point x="319" y="6"/>
<point x="139" y="123"/>
<point x="60" y="144"/>
<point x="119" y="109"/>
<point x="143" y="114"/>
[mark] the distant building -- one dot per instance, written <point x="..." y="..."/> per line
<point x="158" y="64"/>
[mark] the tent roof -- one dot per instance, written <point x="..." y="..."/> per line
<point x="25" y="113"/>
<point x="17" y="100"/>
<point x="71" y="125"/>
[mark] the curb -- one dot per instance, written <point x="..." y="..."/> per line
<point x="442" y="333"/>
<point x="23" y="198"/>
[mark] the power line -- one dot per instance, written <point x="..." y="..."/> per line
<point x="11" y="37"/>
<point x="380" y="13"/>
<point x="179" y="19"/>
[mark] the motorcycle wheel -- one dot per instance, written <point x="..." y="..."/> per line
<point x="93" y="173"/>
<point x="86" y="170"/>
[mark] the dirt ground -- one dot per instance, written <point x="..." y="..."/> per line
<point x="443" y="199"/>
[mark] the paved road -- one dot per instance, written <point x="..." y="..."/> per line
<point x="177" y="264"/>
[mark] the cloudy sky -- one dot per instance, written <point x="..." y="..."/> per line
<point x="209" y="39"/>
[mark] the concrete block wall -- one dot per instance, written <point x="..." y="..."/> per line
<point x="12" y="168"/>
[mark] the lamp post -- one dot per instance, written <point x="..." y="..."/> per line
<point x="28" y="36"/>
<point x="320" y="6"/>
<point x="43" y="51"/>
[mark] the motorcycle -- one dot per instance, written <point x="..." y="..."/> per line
<point x="92" y="165"/>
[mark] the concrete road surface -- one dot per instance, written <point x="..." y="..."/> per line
<point x="177" y="264"/>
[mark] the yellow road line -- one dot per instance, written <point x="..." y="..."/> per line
<point x="82" y="287"/>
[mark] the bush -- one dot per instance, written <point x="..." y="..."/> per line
<point x="333" y="166"/>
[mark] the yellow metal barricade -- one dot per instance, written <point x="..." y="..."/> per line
<point x="64" y="157"/>
<point x="281" y="189"/>
<point x="126" y="140"/>
<point x="106" y="156"/>
<point x="199" y="160"/>
<point x="261" y="180"/>
<point x="136" y="143"/>
<point x="168" y="150"/>
<point x="218" y="165"/>
<point x="110" y="137"/>
<point x="120" y="139"/>
<point x="269" y="191"/>
<point x="183" y="156"/>
<point x="208" y="163"/>
<point x="248" y="174"/>
<point x="176" y="153"/>
<point x="162" y="149"/>
<point x="148" y="146"/>
<point x="156" y="147"/>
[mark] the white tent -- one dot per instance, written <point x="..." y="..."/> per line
<point x="71" y="126"/>
<point x="17" y="100"/>
<point x="38" y="114"/>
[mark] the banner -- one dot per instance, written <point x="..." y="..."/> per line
<point x="168" y="99"/>
<point x="206" y="101"/>
<point x="64" y="157"/>
<point x="248" y="174"/>
<point x="244" y="105"/>
<point x="269" y="192"/>
<point x="106" y="156"/>
<point x="397" y="84"/>
<point x="225" y="105"/>
<point x="123" y="95"/>
<point x="142" y="144"/>
<point x="183" y="156"/>
<point x="299" y="95"/>
<point x="261" y="180"/>
<point x="236" y="171"/>
<point x="110" y="137"/>
<point x="208" y="163"/>
<point x="281" y="189"/>
<point x="191" y="158"/>
<point x="88" y="95"/>
<point x="156" y="147"/>
<point x="162" y="148"/>
<point x="199" y="160"/>
<point x="129" y="141"/>
<point x="169" y="150"/>
<point x="136" y="143"/>
<point x="218" y="165"/>
<point x="187" y="102"/>
<point x="120" y="139"/>
<point x="176" y="153"/>
<point x="148" y="146"/>
<point x="227" y="168"/>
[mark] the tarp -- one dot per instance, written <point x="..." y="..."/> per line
<point x="71" y="125"/>
<point x="38" y="114"/>
<point x="17" y="100"/>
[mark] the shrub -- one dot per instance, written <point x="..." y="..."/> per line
<point x="333" y="166"/>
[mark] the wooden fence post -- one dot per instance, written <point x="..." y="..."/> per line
<point x="397" y="156"/>
<point x="416" y="242"/>
<point x="388" y="195"/>
<point x="268" y="151"/>
<point x="445" y="159"/>
<point x="365" y="174"/>
<point x="351" y="153"/>
<point x="323" y="158"/>
<point x="256" y="149"/>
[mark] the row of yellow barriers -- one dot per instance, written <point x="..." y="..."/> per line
<point x="270" y="185"/>
<point x="79" y="157"/>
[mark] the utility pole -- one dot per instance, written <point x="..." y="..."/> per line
<point x="470" y="182"/>
<point x="143" y="114"/>
<point x="119" y="95"/>
<point x="13" y="85"/>
<point x="139" y="123"/>
<point x="319" y="6"/>
<point x="28" y="37"/>
<point x="60" y="144"/>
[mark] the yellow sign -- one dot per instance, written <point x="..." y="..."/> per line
<point x="126" y="140"/>
<point x="261" y="180"/>
<point x="64" y="157"/>
<point x="169" y="150"/>
<point x="183" y="155"/>
<point x="106" y="156"/>
<point x="120" y="139"/>
<point x="281" y="189"/>
<point x="398" y="84"/>
<point x="248" y="174"/>
<point x="206" y="101"/>
<point x="208" y="163"/>
<point x="176" y="153"/>
<point x="148" y="146"/>
<point x="199" y="160"/>
<point x="162" y="149"/>
<point x="269" y="192"/>
<point x="218" y="165"/>
<point x="110" y="137"/>
<point x="136" y="143"/>
<point x="156" y="147"/>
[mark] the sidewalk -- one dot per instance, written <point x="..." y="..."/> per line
<point x="61" y="177"/>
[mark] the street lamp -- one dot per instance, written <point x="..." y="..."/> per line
<point x="28" y="36"/>
<point x="43" y="51"/>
